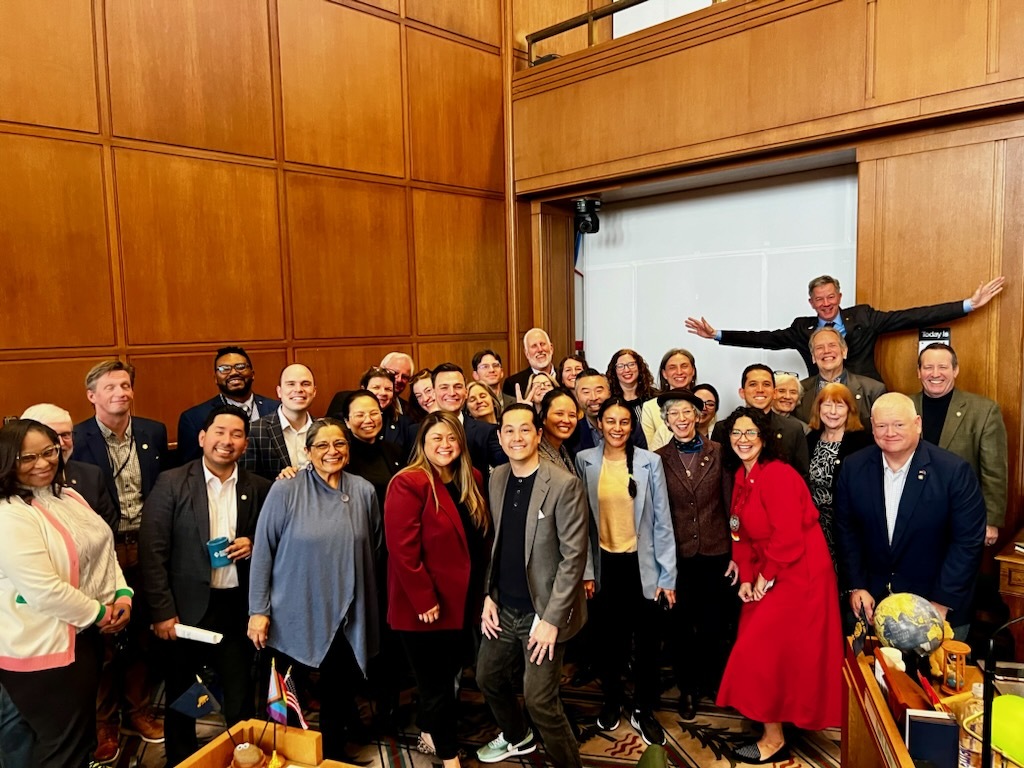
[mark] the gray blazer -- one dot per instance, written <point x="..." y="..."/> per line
<point x="556" y="545"/>
<point x="865" y="391"/>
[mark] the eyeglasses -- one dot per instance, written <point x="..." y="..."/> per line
<point x="398" y="374"/>
<point x="794" y="374"/>
<point x="50" y="454"/>
<point x="675" y="413"/>
<point x="750" y="434"/>
<point x="338" y="445"/>
<point x="625" y="366"/>
<point x="360" y="415"/>
<point x="240" y="367"/>
<point x="65" y="435"/>
<point x="489" y="367"/>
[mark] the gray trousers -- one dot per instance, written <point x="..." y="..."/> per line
<point x="499" y="664"/>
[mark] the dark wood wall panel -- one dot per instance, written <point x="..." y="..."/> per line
<point x="201" y="249"/>
<point x="349" y="257"/>
<point x="460" y="267"/>
<point x="56" y="284"/>
<point x="341" y="76"/>
<point x="431" y="354"/>
<point x="478" y="19"/>
<point x="61" y="382"/>
<point x="167" y="384"/>
<point x="47" y="70"/>
<point x="192" y="72"/>
<point x="455" y="113"/>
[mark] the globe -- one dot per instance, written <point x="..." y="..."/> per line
<point x="908" y="623"/>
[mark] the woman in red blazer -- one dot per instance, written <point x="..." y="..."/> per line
<point x="436" y="525"/>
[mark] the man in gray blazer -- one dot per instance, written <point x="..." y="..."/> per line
<point x="971" y="426"/>
<point x="535" y="600"/>
<point x="278" y="439"/>
<point x="829" y="351"/>
<point x="189" y="506"/>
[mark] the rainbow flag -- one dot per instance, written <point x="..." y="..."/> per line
<point x="276" y="706"/>
<point x="291" y="698"/>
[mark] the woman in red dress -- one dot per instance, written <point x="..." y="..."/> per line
<point x="786" y="664"/>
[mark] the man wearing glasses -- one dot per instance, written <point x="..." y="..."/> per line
<point x="401" y="367"/>
<point x="233" y="373"/>
<point x="488" y="371"/>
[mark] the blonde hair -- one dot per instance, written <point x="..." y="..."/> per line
<point x="470" y="492"/>
<point x="836" y="393"/>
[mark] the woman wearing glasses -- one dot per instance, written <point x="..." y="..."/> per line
<point x="316" y="617"/>
<point x="60" y="588"/>
<point x="786" y="664"/>
<point x="631" y="379"/>
<point x="437" y="528"/>
<point x="678" y="370"/>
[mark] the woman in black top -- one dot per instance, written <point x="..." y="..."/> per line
<point x="630" y="378"/>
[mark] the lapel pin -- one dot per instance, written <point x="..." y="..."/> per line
<point x="344" y="497"/>
<point x="921" y="475"/>
<point x="145" y="446"/>
<point x="74" y="481"/>
<point x="958" y="414"/>
<point x="244" y="497"/>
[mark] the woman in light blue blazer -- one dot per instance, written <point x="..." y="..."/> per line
<point x="631" y="568"/>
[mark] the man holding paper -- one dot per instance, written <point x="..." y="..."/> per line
<point x="193" y="579"/>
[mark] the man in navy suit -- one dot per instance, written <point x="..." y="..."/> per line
<point x="591" y="390"/>
<point x="234" y="374"/>
<point x="910" y="517"/>
<point x="485" y="452"/>
<point x="130" y="451"/>
<point x="860" y="325"/>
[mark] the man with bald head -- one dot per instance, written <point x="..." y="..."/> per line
<point x="910" y="517"/>
<point x="539" y="354"/>
<point x="87" y="479"/>
<point x="278" y="441"/>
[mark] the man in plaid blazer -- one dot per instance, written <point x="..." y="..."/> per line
<point x="277" y="441"/>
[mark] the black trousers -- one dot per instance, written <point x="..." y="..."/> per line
<point x="436" y="658"/>
<point x="59" y="705"/>
<point x="231" y="660"/>
<point x="624" y="620"/>
<point x="703" y="623"/>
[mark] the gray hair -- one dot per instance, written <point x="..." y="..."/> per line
<point x="823" y="280"/>
<point x="842" y="342"/>
<point x="46" y="413"/>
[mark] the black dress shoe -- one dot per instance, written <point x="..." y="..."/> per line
<point x="687" y="707"/>
<point x="751" y="755"/>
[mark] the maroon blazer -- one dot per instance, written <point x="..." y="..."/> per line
<point x="699" y="504"/>
<point x="428" y="555"/>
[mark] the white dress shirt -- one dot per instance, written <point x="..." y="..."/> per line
<point x="295" y="439"/>
<point x="893" y="482"/>
<point x="223" y="504"/>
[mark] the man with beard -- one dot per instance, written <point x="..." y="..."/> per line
<point x="539" y="354"/>
<point x="233" y="373"/>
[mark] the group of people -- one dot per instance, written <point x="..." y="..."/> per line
<point x="491" y="521"/>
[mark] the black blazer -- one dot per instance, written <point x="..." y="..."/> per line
<point x="864" y="324"/>
<point x="522" y="378"/>
<point x="172" y="541"/>
<point x="790" y="434"/>
<point x="939" y="535"/>
<point x="88" y="480"/>
<point x="267" y="453"/>
<point x="150" y="445"/>
<point x="190" y="423"/>
<point x="484" y="449"/>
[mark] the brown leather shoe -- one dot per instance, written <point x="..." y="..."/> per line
<point x="145" y="726"/>
<point x="108" y="748"/>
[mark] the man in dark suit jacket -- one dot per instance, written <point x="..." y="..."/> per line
<point x="190" y="505"/>
<point x="591" y="390"/>
<point x="757" y="392"/>
<point x="909" y="518"/>
<point x="540" y="356"/>
<point x="234" y="374"/>
<point x="481" y="438"/>
<point x="969" y="425"/>
<point x="535" y="595"/>
<point x="829" y="351"/>
<point x="860" y="325"/>
<point x="268" y="452"/>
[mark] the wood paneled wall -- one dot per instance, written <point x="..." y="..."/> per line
<point x="747" y="77"/>
<point x="318" y="180"/>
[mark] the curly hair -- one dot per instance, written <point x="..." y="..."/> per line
<point x="763" y="424"/>
<point x="644" y="381"/>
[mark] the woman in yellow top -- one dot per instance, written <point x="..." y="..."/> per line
<point x="632" y="564"/>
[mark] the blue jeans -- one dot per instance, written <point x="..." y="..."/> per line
<point x="498" y="665"/>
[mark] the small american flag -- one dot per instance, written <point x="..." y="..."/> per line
<point x="291" y="698"/>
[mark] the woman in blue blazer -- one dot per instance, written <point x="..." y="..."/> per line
<point x="631" y="567"/>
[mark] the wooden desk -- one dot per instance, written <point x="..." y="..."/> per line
<point x="1011" y="588"/>
<point x="871" y="738"/>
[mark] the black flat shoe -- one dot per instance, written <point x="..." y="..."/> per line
<point x="687" y="707"/>
<point x="751" y="755"/>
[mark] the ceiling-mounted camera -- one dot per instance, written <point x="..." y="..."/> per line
<point x="587" y="222"/>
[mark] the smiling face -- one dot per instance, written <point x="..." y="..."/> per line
<point x="41" y="457"/>
<point x="329" y="451"/>
<point x="441" y="448"/>
<point x="571" y="368"/>
<point x="234" y="376"/>
<point x="710" y="409"/>
<point x="828" y="354"/>
<point x="450" y="391"/>
<point x="480" y="402"/>
<point x="591" y="391"/>
<point x="678" y="372"/>
<point x="561" y="419"/>
<point x="681" y="418"/>
<point x="518" y="436"/>
<point x="112" y="395"/>
<point x="401" y="368"/>
<point x="365" y="419"/>
<point x="296" y="390"/>
<point x="541" y="386"/>
<point x="223" y="443"/>
<point x="745" y="441"/>
<point x="423" y="391"/>
<point x="627" y="370"/>
<point x="896" y="428"/>
<point x="833" y="413"/>
<point x="937" y="372"/>
<point x="538" y="350"/>
<point x="824" y="300"/>
<point x="383" y="389"/>
<point x="489" y="371"/>
<point x="616" y="424"/>
<point x="758" y="390"/>
<point x="787" y="394"/>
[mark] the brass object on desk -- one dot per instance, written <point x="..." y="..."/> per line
<point x="954" y="666"/>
